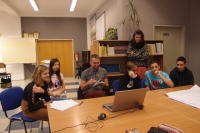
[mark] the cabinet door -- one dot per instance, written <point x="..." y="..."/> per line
<point x="61" y="49"/>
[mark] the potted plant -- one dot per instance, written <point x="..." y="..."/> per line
<point x="111" y="34"/>
<point x="132" y="18"/>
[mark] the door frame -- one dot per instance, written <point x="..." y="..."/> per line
<point x="182" y="37"/>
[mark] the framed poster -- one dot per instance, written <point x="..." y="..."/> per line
<point x="93" y="28"/>
<point x="30" y="35"/>
<point x="36" y="35"/>
<point x="100" y="27"/>
<point x="25" y="35"/>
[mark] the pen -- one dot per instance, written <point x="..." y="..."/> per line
<point x="80" y="103"/>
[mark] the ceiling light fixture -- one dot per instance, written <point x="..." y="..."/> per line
<point x="34" y="5"/>
<point x="73" y="4"/>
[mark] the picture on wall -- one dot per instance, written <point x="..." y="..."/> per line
<point x="100" y="27"/>
<point x="93" y="28"/>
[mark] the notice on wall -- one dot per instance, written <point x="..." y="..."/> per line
<point x="100" y="27"/>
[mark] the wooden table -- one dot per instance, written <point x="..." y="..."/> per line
<point x="158" y="109"/>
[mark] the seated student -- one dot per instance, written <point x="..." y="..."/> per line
<point x="156" y="79"/>
<point x="181" y="75"/>
<point x="92" y="75"/>
<point x="35" y="95"/>
<point x="130" y="80"/>
<point x="56" y="84"/>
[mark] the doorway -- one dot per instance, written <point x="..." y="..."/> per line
<point x="61" y="49"/>
<point x="173" y="40"/>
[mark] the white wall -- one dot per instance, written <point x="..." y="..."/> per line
<point x="113" y="14"/>
<point x="164" y="12"/>
<point x="151" y="12"/>
<point x="10" y="27"/>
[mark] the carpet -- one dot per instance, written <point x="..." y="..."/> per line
<point x="17" y="125"/>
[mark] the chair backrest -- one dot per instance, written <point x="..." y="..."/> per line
<point x="80" y="93"/>
<point x="2" y="67"/>
<point x="115" y="85"/>
<point x="143" y="83"/>
<point x="11" y="98"/>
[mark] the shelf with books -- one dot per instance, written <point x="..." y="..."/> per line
<point x="156" y="45"/>
<point x="156" y="51"/>
<point x="116" y="55"/>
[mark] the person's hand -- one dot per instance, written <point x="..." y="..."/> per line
<point x="91" y="82"/>
<point x="103" y="84"/>
<point x="156" y="73"/>
<point x="50" y="101"/>
<point x="37" y="89"/>
<point x="58" y="94"/>
<point x="132" y="74"/>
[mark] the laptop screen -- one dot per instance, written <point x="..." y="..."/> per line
<point x="127" y="99"/>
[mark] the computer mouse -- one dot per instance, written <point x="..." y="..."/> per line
<point x="102" y="116"/>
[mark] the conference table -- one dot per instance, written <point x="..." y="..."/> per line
<point x="158" y="109"/>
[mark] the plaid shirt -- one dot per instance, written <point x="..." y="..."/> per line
<point x="98" y="75"/>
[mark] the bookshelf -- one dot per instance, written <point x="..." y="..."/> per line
<point x="122" y="59"/>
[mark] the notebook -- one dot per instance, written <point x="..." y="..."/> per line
<point x="127" y="99"/>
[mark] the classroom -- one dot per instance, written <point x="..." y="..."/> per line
<point x="173" y="23"/>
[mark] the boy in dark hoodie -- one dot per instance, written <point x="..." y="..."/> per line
<point x="181" y="75"/>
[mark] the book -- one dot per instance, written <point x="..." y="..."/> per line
<point x="159" y="48"/>
<point x="98" y="83"/>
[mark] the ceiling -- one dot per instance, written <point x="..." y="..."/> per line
<point x="50" y="8"/>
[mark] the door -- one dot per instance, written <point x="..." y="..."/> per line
<point x="173" y="47"/>
<point x="61" y="49"/>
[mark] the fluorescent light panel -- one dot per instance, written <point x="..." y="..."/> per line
<point x="34" y="5"/>
<point x="73" y="4"/>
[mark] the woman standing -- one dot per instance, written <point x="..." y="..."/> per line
<point x="56" y="84"/>
<point x="138" y="53"/>
<point x="35" y="95"/>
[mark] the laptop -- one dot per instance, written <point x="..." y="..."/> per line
<point x="127" y="99"/>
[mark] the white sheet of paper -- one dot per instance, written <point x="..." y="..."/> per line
<point x="98" y="83"/>
<point x="63" y="104"/>
<point x="190" y="97"/>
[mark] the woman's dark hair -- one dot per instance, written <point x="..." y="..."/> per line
<point x="51" y="71"/>
<point x="138" y="32"/>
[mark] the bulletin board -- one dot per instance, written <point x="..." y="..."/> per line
<point x="18" y="50"/>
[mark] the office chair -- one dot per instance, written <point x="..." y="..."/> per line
<point x="115" y="85"/>
<point x="143" y="83"/>
<point x="11" y="99"/>
<point x="5" y="77"/>
<point x="80" y="94"/>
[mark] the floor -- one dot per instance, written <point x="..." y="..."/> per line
<point x="71" y="84"/>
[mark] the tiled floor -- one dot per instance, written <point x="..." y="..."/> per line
<point x="71" y="84"/>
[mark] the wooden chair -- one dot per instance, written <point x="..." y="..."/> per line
<point x="5" y="78"/>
